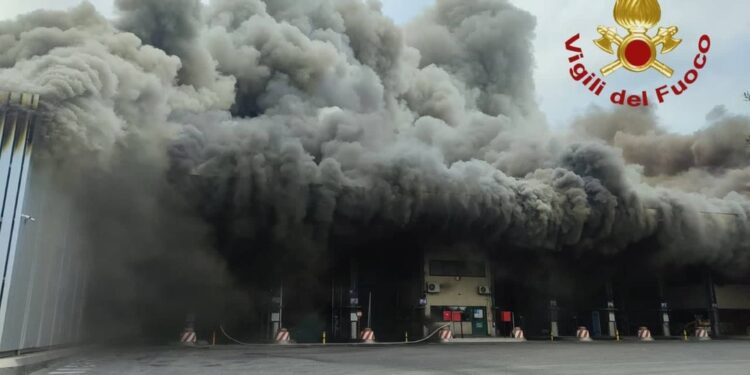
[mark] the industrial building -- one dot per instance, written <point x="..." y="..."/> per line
<point x="549" y="296"/>
<point x="402" y="292"/>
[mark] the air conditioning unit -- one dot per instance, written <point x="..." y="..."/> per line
<point x="484" y="290"/>
<point x="433" y="288"/>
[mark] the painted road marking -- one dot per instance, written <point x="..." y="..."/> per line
<point x="76" y="368"/>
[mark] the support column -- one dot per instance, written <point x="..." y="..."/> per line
<point x="277" y="302"/>
<point x="713" y="306"/>
<point x="554" y="330"/>
<point x="663" y="311"/>
<point x="353" y="301"/>
<point x="611" y="318"/>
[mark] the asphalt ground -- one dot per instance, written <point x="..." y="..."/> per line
<point x="538" y="358"/>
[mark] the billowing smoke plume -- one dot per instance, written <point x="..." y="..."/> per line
<point x="283" y="126"/>
<point x="107" y="99"/>
<point x="713" y="161"/>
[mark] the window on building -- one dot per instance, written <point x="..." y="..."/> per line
<point x="456" y="268"/>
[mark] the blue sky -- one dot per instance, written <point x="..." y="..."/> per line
<point x="404" y="10"/>
<point x="721" y="83"/>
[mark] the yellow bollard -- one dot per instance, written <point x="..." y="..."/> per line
<point x="406" y="336"/>
<point x="617" y="335"/>
<point x="684" y="335"/>
<point x="324" y="337"/>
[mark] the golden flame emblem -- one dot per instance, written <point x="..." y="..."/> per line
<point x="636" y="52"/>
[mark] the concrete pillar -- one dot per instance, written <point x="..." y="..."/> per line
<point x="353" y="301"/>
<point x="663" y="311"/>
<point x="664" y="317"/>
<point x="713" y="306"/>
<point x="611" y="318"/>
<point x="275" y="319"/>
<point x="553" y="317"/>
<point x="354" y="327"/>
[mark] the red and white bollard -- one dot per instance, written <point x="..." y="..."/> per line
<point x="701" y="333"/>
<point x="367" y="336"/>
<point x="583" y="334"/>
<point x="282" y="337"/>
<point x="644" y="334"/>
<point x="188" y="336"/>
<point x="518" y="334"/>
<point x="445" y="335"/>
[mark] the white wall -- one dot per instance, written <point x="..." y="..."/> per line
<point x="45" y="277"/>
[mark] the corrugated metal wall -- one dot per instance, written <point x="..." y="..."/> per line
<point x="43" y="273"/>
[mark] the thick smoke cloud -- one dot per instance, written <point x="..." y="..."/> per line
<point x="107" y="99"/>
<point x="713" y="161"/>
<point x="485" y="45"/>
<point x="713" y="148"/>
<point x="283" y="126"/>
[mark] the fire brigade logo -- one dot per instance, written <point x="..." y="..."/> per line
<point x="637" y="51"/>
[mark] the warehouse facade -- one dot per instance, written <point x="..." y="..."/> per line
<point x="44" y="275"/>
<point x="483" y="295"/>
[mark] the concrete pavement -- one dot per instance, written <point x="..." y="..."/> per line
<point x="23" y="364"/>
<point x="538" y="358"/>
